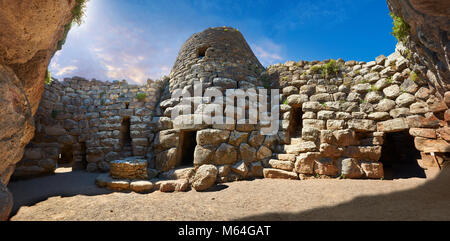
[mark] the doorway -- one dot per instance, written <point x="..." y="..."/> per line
<point x="125" y="138"/>
<point x="295" y="122"/>
<point x="188" y="142"/>
<point x="399" y="156"/>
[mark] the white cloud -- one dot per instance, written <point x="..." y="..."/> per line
<point x="268" y="52"/>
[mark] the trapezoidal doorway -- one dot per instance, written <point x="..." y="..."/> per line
<point x="399" y="156"/>
<point x="295" y="122"/>
<point x="188" y="142"/>
<point x="125" y="138"/>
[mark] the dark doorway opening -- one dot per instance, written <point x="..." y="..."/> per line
<point x="188" y="142"/>
<point x="66" y="155"/>
<point x="295" y="122"/>
<point x="125" y="138"/>
<point x="201" y="52"/>
<point x="399" y="156"/>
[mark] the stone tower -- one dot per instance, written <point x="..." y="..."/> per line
<point x="216" y="57"/>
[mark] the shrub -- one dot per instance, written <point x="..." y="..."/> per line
<point x="373" y="88"/>
<point x="332" y="68"/>
<point x="400" y="30"/>
<point x="141" y="96"/>
<point x="48" y="77"/>
<point x="79" y="11"/>
<point x="413" y="76"/>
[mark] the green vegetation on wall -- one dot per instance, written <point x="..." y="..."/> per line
<point x="332" y="68"/>
<point x="78" y="12"/>
<point x="48" y="77"/>
<point x="400" y="30"/>
<point x="141" y="96"/>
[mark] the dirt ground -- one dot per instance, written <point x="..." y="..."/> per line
<point x="74" y="196"/>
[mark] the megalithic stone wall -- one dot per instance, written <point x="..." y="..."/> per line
<point x="78" y="112"/>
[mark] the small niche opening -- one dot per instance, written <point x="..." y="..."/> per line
<point x="399" y="156"/>
<point x="66" y="156"/>
<point x="125" y="138"/>
<point x="188" y="142"/>
<point x="201" y="52"/>
<point x="295" y="122"/>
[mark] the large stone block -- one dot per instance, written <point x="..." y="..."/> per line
<point x="212" y="137"/>
<point x="373" y="169"/>
<point x="205" y="177"/>
<point x="225" y="154"/>
<point x="431" y="145"/>
<point x="325" y="166"/>
<point x="394" y="125"/>
<point x="372" y="153"/>
<point x="281" y="174"/>
<point x="362" y="125"/>
<point x="166" y="160"/>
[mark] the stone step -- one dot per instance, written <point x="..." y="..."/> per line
<point x="301" y="147"/>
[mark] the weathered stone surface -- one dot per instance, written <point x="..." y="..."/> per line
<point x="392" y="91"/>
<point x="236" y="138"/>
<point x="325" y="166"/>
<point x="203" y="154"/>
<point x="212" y="137"/>
<point x="304" y="146"/>
<point x="373" y="169"/>
<point x="30" y="37"/>
<point x="350" y="168"/>
<point x="172" y="185"/>
<point x="256" y="169"/>
<point x="305" y="162"/>
<point x="225" y="154"/>
<point x="385" y="105"/>
<point x="422" y="132"/>
<point x="141" y="186"/>
<point x="166" y="160"/>
<point x="263" y="153"/>
<point x="427" y="21"/>
<point x="205" y="177"/>
<point x="118" y="185"/>
<point x="6" y="202"/>
<point x="16" y="122"/>
<point x="166" y="139"/>
<point x="372" y="153"/>
<point x="240" y="168"/>
<point x="405" y="99"/>
<point x="444" y="133"/>
<point x="430" y="145"/>
<point x="297" y="100"/>
<point x="327" y="150"/>
<point x="281" y="174"/>
<point x="247" y="153"/>
<point x="283" y="165"/>
<point x="179" y="173"/>
<point x="362" y="125"/>
<point x="394" y="125"/>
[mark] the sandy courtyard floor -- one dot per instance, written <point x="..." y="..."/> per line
<point x="74" y="196"/>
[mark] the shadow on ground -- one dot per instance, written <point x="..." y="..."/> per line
<point x="68" y="184"/>
<point x="429" y="201"/>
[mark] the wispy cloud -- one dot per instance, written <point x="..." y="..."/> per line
<point x="267" y="52"/>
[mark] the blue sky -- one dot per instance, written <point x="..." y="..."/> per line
<point x="140" y="39"/>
